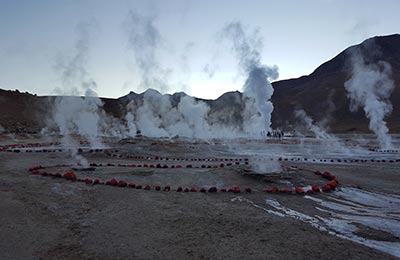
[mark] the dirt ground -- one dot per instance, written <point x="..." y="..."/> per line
<point x="51" y="218"/>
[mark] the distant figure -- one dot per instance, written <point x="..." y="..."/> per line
<point x="276" y="133"/>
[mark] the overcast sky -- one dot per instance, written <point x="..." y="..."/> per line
<point x="40" y="40"/>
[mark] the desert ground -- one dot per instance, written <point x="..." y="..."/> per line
<point x="43" y="216"/>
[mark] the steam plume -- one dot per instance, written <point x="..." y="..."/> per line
<point x="144" y="40"/>
<point x="257" y="90"/>
<point x="308" y="122"/>
<point x="158" y="117"/>
<point x="319" y="132"/>
<point x="77" y="115"/>
<point x="74" y="76"/>
<point x="370" y="87"/>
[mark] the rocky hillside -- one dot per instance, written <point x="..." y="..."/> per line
<point x="322" y="94"/>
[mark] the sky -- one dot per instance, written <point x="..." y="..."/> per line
<point x="52" y="47"/>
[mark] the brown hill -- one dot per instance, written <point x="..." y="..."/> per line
<point x="322" y="94"/>
<point x="22" y="111"/>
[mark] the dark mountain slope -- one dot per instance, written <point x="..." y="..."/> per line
<point x="325" y="86"/>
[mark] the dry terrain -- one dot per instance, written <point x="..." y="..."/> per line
<point x="53" y="218"/>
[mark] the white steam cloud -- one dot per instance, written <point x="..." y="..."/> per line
<point x="263" y="167"/>
<point x="308" y="123"/>
<point x="257" y="90"/>
<point x="370" y="87"/>
<point x="158" y="117"/>
<point x="144" y="40"/>
<point x="74" y="76"/>
<point x="76" y="115"/>
<point x="83" y="116"/>
<point x="320" y="132"/>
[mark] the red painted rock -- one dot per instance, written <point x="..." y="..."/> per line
<point x="268" y="189"/>
<point x="88" y="181"/>
<point x="112" y="182"/>
<point x="132" y="185"/>
<point x="284" y="190"/>
<point x="221" y="165"/>
<point x="147" y="187"/>
<point x="96" y="181"/>
<point x="193" y="189"/>
<point x="189" y="166"/>
<point x="315" y="188"/>
<point x="70" y="176"/>
<point x="299" y="190"/>
<point x="317" y="173"/>
<point x="326" y="188"/>
<point x="235" y="189"/>
<point x="310" y="191"/>
<point x="179" y="189"/>
<point x="139" y="186"/>
<point x="247" y="189"/>
<point x="202" y="189"/>
<point x="328" y="175"/>
<point x="122" y="183"/>
<point x="186" y="190"/>
<point x="157" y="187"/>
<point x="212" y="189"/>
<point x="167" y="188"/>
<point x="223" y="189"/>
<point x="333" y="184"/>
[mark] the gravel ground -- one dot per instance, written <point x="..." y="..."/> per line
<point x="49" y="218"/>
